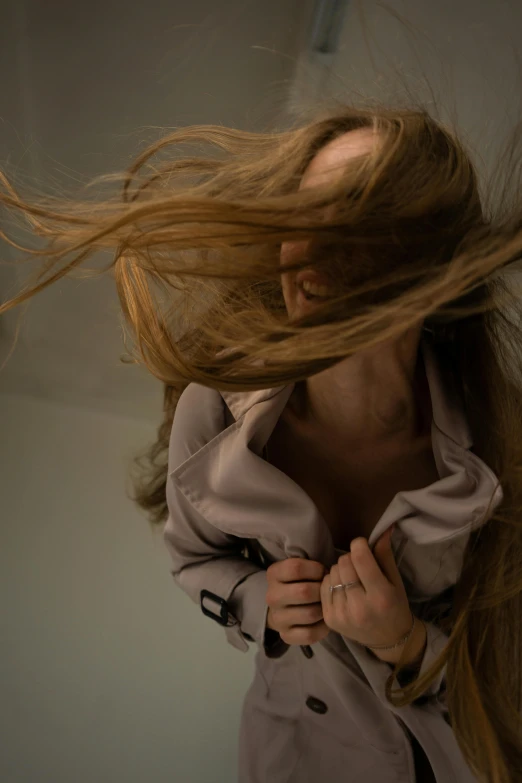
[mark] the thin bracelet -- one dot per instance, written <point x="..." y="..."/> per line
<point x="392" y="646"/>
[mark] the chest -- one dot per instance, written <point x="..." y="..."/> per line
<point x="351" y="490"/>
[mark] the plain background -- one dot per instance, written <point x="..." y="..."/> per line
<point x="108" y="672"/>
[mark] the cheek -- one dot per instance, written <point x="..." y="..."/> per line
<point x="290" y="253"/>
<point x="287" y="285"/>
<point x="288" y="294"/>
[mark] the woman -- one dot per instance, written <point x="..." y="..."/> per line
<point x="338" y="478"/>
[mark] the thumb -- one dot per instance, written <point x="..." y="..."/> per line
<point x="384" y="555"/>
<point x="385" y="540"/>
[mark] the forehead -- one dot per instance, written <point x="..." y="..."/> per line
<point x="334" y="154"/>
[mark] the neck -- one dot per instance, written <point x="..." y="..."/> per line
<point x="369" y="397"/>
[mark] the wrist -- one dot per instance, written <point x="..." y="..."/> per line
<point x="415" y="648"/>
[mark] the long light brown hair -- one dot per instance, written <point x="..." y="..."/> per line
<point x="195" y="250"/>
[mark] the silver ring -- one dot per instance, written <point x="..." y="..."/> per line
<point x="348" y="584"/>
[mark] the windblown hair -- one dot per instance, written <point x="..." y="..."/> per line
<point x="407" y="238"/>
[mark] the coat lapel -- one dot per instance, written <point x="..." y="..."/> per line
<point x="235" y="489"/>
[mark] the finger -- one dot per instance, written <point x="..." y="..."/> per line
<point x="385" y="557"/>
<point x="347" y="574"/>
<point x="297" y="569"/>
<point x="326" y="595"/>
<point x="306" y="635"/>
<point x="282" y="594"/>
<point x="299" y="593"/>
<point x="367" y="567"/>
<point x="344" y="573"/>
<point x="294" y="616"/>
<point x="335" y="579"/>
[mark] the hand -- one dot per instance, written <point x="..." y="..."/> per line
<point x="376" y="612"/>
<point x="294" y="600"/>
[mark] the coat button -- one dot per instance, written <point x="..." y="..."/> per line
<point x="307" y="651"/>
<point x="316" y="705"/>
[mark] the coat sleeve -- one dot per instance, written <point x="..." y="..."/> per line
<point x="431" y="613"/>
<point x="435" y="694"/>
<point x="203" y="557"/>
<point x="436" y="640"/>
<point x="378" y="672"/>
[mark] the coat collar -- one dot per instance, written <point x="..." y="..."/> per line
<point x="233" y="488"/>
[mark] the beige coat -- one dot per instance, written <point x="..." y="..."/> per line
<point x="320" y="712"/>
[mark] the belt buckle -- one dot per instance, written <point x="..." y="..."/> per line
<point x="223" y="617"/>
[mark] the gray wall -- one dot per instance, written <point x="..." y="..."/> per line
<point x="107" y="671"/>
<point x="460" y="57"/>
<point x="88" y="85"/>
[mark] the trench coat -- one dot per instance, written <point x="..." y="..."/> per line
<point x="318" y="712"/>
